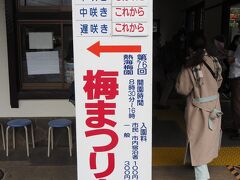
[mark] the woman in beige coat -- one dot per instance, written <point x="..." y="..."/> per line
<point x="200" y="80"/>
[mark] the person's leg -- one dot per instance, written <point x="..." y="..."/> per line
<point x="201" y="172"/>
<point x="187" y="156"/>
<point x="235" y="86"/>
<point x="169" y="84"/>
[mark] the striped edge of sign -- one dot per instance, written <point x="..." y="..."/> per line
<point x="234" y="172"/>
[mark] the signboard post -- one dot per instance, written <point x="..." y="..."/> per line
<point x="113" y="84"/>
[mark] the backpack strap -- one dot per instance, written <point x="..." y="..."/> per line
<point x="211" y="71"/>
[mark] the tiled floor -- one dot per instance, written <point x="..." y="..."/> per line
<point x="169" y="126"/>
<point x="40" y="173"/>
<point x="168" y="131"/>
<point x="187" y="173"/>
<point x="17" y="172"/>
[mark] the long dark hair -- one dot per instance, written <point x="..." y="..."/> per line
<point x="197" y="43"/>
<point x="233" y="45"/>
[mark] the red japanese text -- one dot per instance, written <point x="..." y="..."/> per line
<point x="101" y="86"/>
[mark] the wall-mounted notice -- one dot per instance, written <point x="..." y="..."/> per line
<point x="113" y="84"/>
<point x="44" y="62"/>
<point x="40" y="40"/>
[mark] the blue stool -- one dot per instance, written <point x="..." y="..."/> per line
<point x="16" y="123"/>
<point x="59" y="123"/>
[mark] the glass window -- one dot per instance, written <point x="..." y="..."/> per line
<point x="46" y="55"/>
<point x="195" y="18"/>
<point x="67" y="2"/>
<point x="68" y="53"/>
<point x="41" y="59"/>
<point x="26" y="30"/>
<point x="234" y="22"/>
<point x="44" y="2"/>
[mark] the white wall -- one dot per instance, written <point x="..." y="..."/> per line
<point x="171" y="14"/>
<point x="27" y="108"/>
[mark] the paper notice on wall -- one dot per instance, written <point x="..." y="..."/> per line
<point x="40" y="40"/>
<point x="44" y="62"/>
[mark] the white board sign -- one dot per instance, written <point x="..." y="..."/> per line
<point x="93" y="12"/>
<point x="130" y="29"/>
<point x="113" y="88"/>
<point x="93" y="28"/>
<point x="129" y="14"/>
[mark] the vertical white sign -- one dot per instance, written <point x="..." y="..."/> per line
<point x="113" y="84"/>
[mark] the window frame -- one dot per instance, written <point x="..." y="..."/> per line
<point x="199" y="17"/>
<point x="225" y="17"/>
<point x="13" y="17"/>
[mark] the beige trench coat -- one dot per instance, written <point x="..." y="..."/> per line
<point x="203" y="142"/>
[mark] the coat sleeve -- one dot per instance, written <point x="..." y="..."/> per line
<point x="184" y="84"/>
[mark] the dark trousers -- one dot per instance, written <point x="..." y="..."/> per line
<point x="235" y="101"/>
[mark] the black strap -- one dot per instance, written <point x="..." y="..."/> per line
<point x="210" y="69"/>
